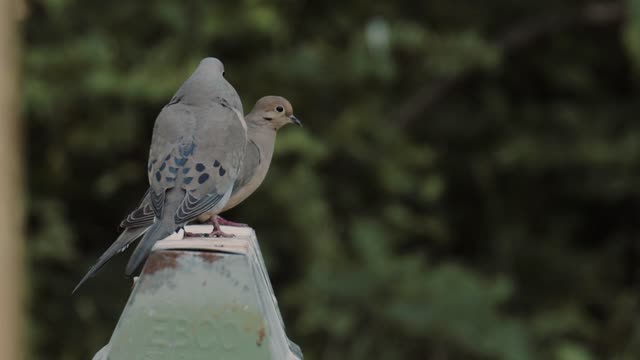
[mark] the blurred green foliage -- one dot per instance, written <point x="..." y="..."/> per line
<point x="459" y="191"/>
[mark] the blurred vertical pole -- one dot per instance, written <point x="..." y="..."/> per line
<point x="11" y="269"/>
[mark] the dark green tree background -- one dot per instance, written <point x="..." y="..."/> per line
<point x="467" y="185"/>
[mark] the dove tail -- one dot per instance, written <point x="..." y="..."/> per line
<point x="123" y="241"/>
<point x="157" y="231"/>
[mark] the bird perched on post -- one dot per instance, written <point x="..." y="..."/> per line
<point x="197" y="148"/>
<point x="269" y="114"/>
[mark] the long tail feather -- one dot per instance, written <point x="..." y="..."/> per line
<point x="157" y="231"/>
<point x="128" y="236"/>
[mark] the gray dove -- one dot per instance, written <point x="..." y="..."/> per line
<point x="197" y="148"/>
<point x="269" y="114"/>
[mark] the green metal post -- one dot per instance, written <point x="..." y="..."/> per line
<point x="202" y="298"/>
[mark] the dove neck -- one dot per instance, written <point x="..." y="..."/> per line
<point x="265" y="139"/>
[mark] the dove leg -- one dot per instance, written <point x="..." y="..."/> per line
<point x="223" y="221"/>
<point x="217" y="232"/>
<point x="216" y="221"/>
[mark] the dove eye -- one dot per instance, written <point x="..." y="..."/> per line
<point x="279" y="109"/>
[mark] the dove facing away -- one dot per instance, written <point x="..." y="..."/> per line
<point x="269" y="114"/>
<point x="197" y="148"/>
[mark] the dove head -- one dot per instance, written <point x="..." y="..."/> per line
<point x="272" y="112"/>
<point x="208" y="83"/>
<point x="212" y="64"/>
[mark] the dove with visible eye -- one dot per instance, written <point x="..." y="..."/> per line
<point x="268" y="115"/>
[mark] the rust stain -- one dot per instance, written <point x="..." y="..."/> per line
<point x="209" y="257"/>
<point x="161" y="260"/>
<point x="262" y="333"/>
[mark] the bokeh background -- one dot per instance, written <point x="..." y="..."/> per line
<point x="466" y="186"/>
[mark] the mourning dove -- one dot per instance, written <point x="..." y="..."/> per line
<point x="269" y="114"/>
<point x="197" y="148"/>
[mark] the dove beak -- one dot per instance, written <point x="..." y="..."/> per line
<point x="295" y="120"/>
